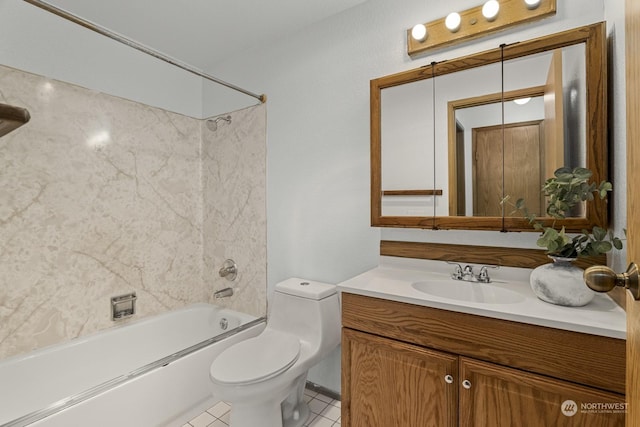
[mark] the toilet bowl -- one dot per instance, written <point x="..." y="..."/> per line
<point x="264" y="377"/>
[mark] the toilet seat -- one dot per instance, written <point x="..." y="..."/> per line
<point x="256" y="359"/>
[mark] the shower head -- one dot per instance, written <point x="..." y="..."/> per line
<point x="212" y="124"/>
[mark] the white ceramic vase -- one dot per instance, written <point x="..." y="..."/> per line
<point x="561" y="283"/>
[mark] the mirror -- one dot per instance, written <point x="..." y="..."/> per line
<point x="540" y="133"/>
<point x="441" y="156"/>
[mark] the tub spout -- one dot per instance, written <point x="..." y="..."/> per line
<point x="223" y="293"/>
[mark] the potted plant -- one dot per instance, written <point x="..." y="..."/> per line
<point x="560" y="282"/>
<point x="566" y="190"/>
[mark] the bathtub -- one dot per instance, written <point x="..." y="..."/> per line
<point x="150" y="372"/>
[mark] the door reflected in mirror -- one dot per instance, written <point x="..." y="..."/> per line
<point x="541" y="133"/>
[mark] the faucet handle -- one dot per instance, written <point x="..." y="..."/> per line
<point x="229" y="270"/>
<point x="457" y="272"/>
<point x="483" y="276"/>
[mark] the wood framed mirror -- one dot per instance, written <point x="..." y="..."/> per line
<point x="423" y="173"/>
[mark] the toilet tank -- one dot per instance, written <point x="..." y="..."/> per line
<point x="307" y="309"/>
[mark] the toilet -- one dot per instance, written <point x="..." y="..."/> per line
<point x="263" y="378"/>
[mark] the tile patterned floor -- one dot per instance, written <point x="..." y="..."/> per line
<point x="325" y="412"/>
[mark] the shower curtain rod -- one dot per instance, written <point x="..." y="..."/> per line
<point x="119" y="38"/>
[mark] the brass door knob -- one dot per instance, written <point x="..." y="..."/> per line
<point x="602" y="279"/>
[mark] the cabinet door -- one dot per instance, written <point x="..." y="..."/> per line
<point x="387" y="383"/>
<point x="497" y="396"/>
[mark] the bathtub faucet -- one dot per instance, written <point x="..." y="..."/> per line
<point x="223" y="293"/>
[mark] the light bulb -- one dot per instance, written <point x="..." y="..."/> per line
<point x="419" y="32"/>
<point x="532" y="4"/>
<point x="490" y="9"/>
<point x="452" y="22"/>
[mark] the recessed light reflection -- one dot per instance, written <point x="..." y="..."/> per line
<point x="99" y="139"/>
<point x="522" y="101"/>
<point x="46" y="91"/>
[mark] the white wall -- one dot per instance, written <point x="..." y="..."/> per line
<point x="614" y="14"/>
<point x="317" y="83"/>
<point x="318" y="132"/>
<point x="42" y="43"/>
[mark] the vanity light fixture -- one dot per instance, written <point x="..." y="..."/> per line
<point x="490" y="10"/>
<point x="452" y="22"/>
<point x="532" y="4"/>
<point x="465" y="25"/>
<point x="419" y="32"/>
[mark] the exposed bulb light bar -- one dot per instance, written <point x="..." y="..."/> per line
<point x="419" y="32"/>
<point x="490" y="10"/>
<point x="452" y="22"/>
<point x="488" y="16"/>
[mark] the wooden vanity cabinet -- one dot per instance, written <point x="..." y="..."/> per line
<point x="499" y="396"/>
<point x="398" y="384"/>
<point x="405" y="365"/>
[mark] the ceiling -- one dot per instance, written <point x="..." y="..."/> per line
<point x="203" y="33"/>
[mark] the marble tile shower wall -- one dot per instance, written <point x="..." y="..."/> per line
<point x="101" y="196"/>
<point x="235" y="222"/>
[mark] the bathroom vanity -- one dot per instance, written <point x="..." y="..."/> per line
<point x="414" y="355"/>
<point x="422" y="349"/>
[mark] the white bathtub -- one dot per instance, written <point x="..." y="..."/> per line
<point x="151" y="372"/>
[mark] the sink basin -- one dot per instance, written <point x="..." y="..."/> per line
<point x="485" y="293"/>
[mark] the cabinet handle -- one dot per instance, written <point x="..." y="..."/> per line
<point x="466" y="384"/>
<point x="448" y="379"/>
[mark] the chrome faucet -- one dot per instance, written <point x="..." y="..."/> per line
<point x="223" y="293"/>
<point x="483" y="277"/>
<point x="457" y="272"/>
<point x="466" y="274"/>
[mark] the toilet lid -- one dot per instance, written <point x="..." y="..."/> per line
<point x="256" y="359"/>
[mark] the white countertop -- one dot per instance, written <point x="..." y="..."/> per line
<point x="393" y="279"/>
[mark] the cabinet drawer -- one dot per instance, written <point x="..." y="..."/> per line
<point x="586" y="359"/>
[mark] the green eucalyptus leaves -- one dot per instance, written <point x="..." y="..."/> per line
<point x="565" y="192"/>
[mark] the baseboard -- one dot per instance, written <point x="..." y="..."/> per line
<point x="323" y="390"/>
